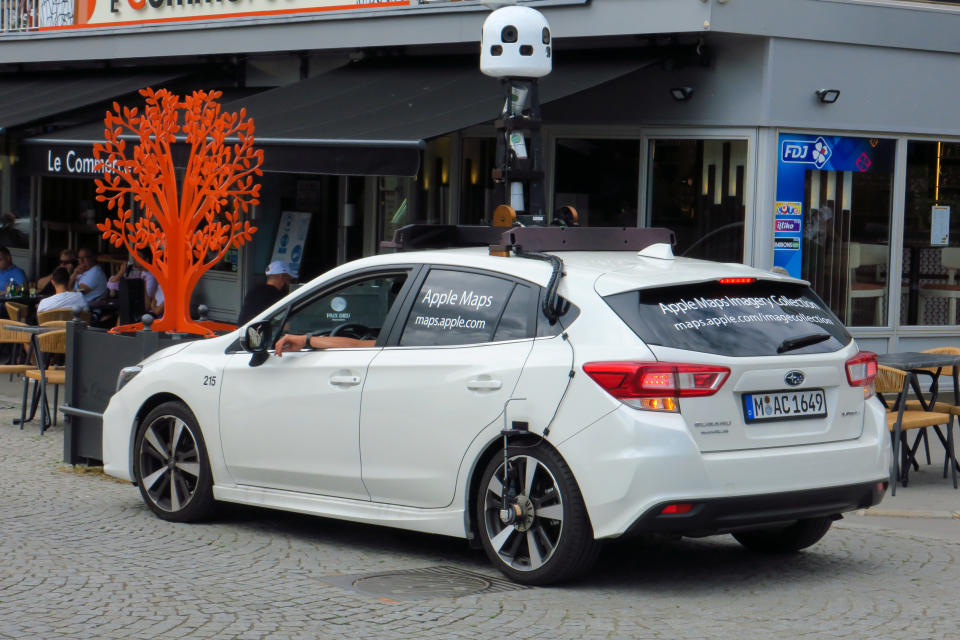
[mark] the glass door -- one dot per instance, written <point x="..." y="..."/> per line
<point x="698" y="187"/>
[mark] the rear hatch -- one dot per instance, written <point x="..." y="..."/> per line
<point x="785" y="350"/>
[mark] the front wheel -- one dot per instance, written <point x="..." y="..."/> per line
<point x="534" y="527"/>
<point x="171" y="465"/>
<point x="800" y="535"/>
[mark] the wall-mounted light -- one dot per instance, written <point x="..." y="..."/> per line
<point x="828" y="96"/>
<point x="681" y="94"/>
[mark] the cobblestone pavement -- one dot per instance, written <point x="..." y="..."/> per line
<point x="82" y="557"/>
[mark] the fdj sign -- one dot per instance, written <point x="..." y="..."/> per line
<point x="816" y="152"/>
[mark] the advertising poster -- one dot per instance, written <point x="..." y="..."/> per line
<point x="940" y="225"/>
<point x="291" y="237"/>
<point x="800" y="153"/>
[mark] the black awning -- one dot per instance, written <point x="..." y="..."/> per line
<point x="405" y="100"/>
<point x="26" y="98"/>
<point x="368" y="118"/>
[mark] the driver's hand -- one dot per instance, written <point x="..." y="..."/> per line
<point x="289" y="342"/>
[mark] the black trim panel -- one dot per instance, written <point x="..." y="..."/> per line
<point x="722" y="515"/>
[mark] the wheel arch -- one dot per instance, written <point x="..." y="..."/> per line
<point x="149" y="405"/>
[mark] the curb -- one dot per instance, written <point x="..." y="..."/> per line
<point x="907" y="513"/>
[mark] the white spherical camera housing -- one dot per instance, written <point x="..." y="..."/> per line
<point x="516" y="43"/>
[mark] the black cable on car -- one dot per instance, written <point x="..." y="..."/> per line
<point x="553" y="305"/>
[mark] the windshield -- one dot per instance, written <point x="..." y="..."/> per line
<point x="752" y="319"/>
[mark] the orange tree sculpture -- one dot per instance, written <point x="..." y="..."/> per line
<point x="185" y="226"/>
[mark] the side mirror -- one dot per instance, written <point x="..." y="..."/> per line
<point x="256" y="337"/>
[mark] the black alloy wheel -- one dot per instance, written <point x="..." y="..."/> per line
<point x="171" y="465"/>
<point x="536" y="531"/>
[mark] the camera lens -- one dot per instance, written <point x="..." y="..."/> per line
<point x="546" y="36"/>
<point x="508" y="34"/>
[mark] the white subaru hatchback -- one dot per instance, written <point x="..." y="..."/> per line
<point x="538" y="397"/>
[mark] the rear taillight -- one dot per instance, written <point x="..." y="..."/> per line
<point x="656" y="386"/>
<point x="862" y="371"/>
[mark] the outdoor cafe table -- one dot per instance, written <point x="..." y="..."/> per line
<point x="39" y="394"/>
<point x="913" y="363"/>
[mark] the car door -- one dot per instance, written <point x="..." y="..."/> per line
<point x="458" y="355"/>
<point x="292" y="423"/>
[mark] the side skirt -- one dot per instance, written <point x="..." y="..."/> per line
<point x="447" y="522"/>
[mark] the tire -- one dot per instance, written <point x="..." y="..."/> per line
<point x="799" y="535"/>
<point x="553" y="541"/>
<point x="178" y="489"/>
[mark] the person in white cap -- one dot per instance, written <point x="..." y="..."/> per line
<point x="263" y="295"/>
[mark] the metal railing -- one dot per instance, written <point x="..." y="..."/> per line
<point x="18" y="16"/>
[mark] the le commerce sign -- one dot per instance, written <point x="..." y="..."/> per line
<point x="66" y="161"/>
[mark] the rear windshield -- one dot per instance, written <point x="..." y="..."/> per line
<point x="754" y="319"/>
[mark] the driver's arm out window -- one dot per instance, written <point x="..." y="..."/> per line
<point x="364" y="302"/>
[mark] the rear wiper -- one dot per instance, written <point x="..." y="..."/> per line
<point x="803" y="341"/>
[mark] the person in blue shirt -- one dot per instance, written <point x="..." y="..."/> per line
<point x="88" y="278"/>
<point x="10" y="271"/>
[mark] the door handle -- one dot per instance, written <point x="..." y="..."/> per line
<point x="346" y="381"/>
<point x="484" y="385"/>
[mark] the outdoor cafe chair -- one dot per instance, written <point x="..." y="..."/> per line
<point x="16" y="311"/>
<point x="901" y="420"/>
<point x="61" y="313"/>
<point x="941" y="406"/>
<point x="50" y="344"/>
<point x="17" y="342"/>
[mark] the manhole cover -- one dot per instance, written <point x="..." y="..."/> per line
<point x="422" y="584"/>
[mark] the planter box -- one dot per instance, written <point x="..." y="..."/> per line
<point x="94" y="359"/>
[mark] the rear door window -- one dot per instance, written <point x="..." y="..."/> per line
<point x="751" y="319"/>
<point x="459" y="307"/>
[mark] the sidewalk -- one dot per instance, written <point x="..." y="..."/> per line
<point x="928" y="494"/>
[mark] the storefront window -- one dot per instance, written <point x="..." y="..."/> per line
<point x="832" y="221"/>
<point x="424" y="199"/>
<point x="600" y="179"/>
<point x="931" y="234"/>
<point x="697" y="189"/>
<point x="476" y="185"/>
<point x="394" y="206"/>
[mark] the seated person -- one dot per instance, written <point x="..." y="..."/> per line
<point x="263" y="295"/>
<point x="63" y="298"/>
<point x="293" y="342"/>
<point x="155" y="306"/>
<point x="68" y="260"/>
<point x="88" y="278"/>
<point x="9" y="272"/>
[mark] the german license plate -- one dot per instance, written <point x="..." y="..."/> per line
<point x="784" y="405"/>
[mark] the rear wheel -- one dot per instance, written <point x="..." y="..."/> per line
<point x="795" y="537"/>
<point x="534" y="528"/>
<point x="171" y="465"/>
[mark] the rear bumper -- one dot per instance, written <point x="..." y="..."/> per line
<point x="722" y="515"/>
<point x="631" y="463"/>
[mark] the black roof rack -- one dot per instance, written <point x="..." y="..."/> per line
<point x="413" y="237"/>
